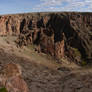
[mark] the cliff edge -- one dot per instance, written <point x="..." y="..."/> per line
<point x="57" y="34"/>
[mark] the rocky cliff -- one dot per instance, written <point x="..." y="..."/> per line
<point x="57" y="34"/>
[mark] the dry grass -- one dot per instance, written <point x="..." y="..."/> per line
<point x="41" y="72"/>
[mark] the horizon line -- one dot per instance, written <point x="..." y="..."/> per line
<point x="46" y="12"/>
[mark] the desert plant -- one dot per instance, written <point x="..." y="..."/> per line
<point x="3" y="89"/>
<point x="83" y="63"/>
<point x="76" y="52"/>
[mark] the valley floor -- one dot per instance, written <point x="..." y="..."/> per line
<point x="44" y="74"/>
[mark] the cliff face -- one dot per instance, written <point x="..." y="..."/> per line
<point x="56" y="34"/>
<point x="9" y="25"/>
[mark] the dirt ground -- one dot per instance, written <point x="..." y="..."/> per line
<point x="44" y="74"/>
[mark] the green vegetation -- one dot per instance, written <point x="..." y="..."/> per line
<point x="76" y="52"/>
<point x="3" y="89"/>
<point x="83" y="63"/>
<point x="31" y="47"/>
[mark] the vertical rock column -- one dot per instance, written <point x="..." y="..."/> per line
<point x="3" y="26"/>
<point x="60" y="48"/>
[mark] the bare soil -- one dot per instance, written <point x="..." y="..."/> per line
<point x="44" y="74"/>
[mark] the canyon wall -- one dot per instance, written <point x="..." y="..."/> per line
<point x="57" y="34"/>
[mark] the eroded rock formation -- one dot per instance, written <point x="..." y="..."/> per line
<point x="11" y="78"/>
<point x="53" y="33"/>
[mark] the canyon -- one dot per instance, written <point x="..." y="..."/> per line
<point x="53" y="33"/>
<point x="53" y="50"/>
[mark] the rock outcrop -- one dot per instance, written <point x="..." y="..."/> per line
<point x="54" y="33"/>
<point x="11" y="78"/>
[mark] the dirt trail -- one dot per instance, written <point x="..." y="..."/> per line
<point x="42" y="73"/>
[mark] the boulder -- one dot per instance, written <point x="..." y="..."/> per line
<point x="11" y="78"/>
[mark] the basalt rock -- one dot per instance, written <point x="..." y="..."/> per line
<point x="52" y="32"/>
<point x="11" y="78"/>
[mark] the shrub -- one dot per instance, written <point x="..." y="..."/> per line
<point x="3" y="89"/>
<point x="83" y="63"/>
<point x="76" y="52"/>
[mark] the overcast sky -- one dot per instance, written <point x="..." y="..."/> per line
<point x="23" y="6"/>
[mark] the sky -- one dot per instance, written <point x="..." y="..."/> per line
<point x="24" y="6"/>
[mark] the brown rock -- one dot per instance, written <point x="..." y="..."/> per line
<point x="45" y="28"/>
<point x="59" y="49"/>
<point x="11" y="78"/>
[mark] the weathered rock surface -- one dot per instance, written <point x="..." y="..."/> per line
<point x="52" y="32"/>
<point x="11" y="78"/>
<point x="43" y="78"/>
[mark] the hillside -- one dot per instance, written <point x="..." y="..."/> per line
<point x="57" y="34"/>
<point x="53" y="49"/>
